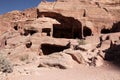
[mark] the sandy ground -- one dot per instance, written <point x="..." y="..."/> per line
<point x="79" y="72"/>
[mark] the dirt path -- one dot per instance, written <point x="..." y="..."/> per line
<point x="80" y="72"/>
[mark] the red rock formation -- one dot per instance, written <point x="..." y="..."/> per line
<point x="54" y="26"/>
<point x="10" y="19"/>
<point x="100" y="13"/>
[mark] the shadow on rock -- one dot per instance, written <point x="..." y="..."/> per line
<point x="113" y="54"/>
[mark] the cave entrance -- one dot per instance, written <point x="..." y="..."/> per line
<point x="30" y="31"/>
<point x="69" y="27"/>
<point x="46" y="30"/>
<point x="51" y="48"/>
<point x="105" y="31"/>
<point x="86" y="31"/>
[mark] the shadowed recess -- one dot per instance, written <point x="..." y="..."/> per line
<point x="113" y="54"/>
<point x="51" y="48"/>
<point x="30" y="31"/>
<point x="116" y="27"/>
<point x="86" y="31"/>
<point x="47" y="31"/>
<point x="105" y="31"/>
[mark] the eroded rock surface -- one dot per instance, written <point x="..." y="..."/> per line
<point x="62" y="33"/>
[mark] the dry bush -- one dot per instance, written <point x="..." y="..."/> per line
<point x="24" y="57"/>
<point x="5" y="65"/>
<point x="81" y="42"/>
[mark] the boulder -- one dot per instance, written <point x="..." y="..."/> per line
<point x="76" y="55"/>
<point x="17" y="40"/>
<point x="85" y="57"/>
<point x="58" y="60"/>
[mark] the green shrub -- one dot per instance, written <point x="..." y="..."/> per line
<point x="81" y="42"/>
<point x="24" y="57"/>
<point x="5" y="65"/>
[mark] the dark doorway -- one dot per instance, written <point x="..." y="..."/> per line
<point x="62" y="31"/>
<point x="105" y="31"/>
<point x="51" y="48"/>
<point x="46" y="30"/>
<point x="86" y="31"/>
